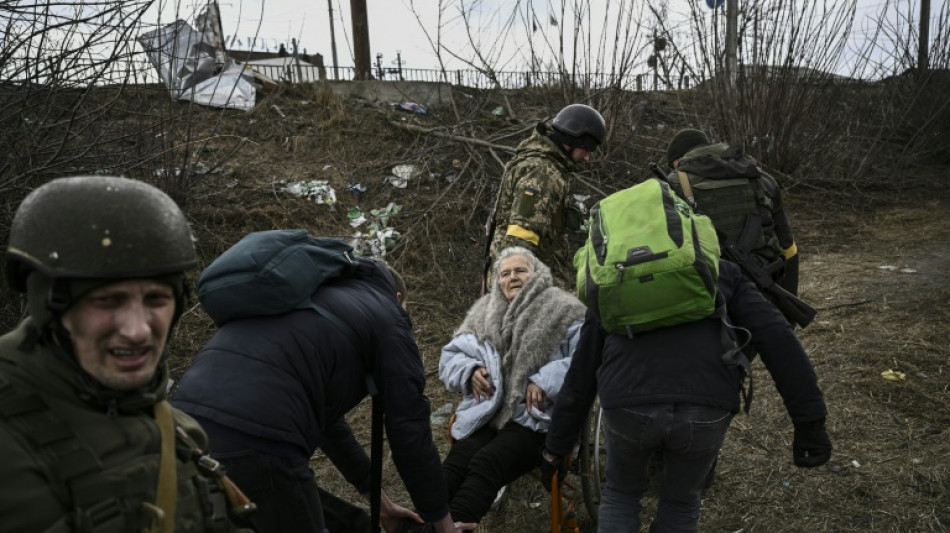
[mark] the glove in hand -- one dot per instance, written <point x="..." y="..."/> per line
<point x="811" y="446"/>
<point x="548" y="468"/>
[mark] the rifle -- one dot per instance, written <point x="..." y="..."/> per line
<point x="489" y="235"/>
<point x="794" y="308"/>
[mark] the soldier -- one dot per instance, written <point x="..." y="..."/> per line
<point x="88" y="441"/>
<point x="743" y="201"/>
<point x="532" y="203"/>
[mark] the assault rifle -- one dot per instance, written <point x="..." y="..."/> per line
<point x="489" y="235"/>
<point x="794" y="308"/>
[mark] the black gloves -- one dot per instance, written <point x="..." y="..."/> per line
<point x="811" y="446"/>
<point x="552" y="464"/>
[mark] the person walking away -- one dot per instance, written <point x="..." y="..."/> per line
<point x="88" y="440"/>
<point x="668" y="391"/>
<point x="743" y="201"/>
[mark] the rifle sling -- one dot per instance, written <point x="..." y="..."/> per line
<point x="687" y="190"/>
<point x="167" y="490"/>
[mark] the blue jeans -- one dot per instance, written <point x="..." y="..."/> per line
<point x="688" y="436"/>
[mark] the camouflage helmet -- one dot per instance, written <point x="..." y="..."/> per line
<point x="98" y="227"/>
<point x="582" y="123"/>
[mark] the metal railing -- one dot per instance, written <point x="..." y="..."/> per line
<point x="646" y="81"/>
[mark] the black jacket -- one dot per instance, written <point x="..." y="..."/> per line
<point x="290" y="379"/>
<point x="683" y="364"/>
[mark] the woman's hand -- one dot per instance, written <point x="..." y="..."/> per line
<point x="535" y="397"/>
<point x="481" y="386"/>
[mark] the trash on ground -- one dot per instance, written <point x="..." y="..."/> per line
<point x="356" y="217"/>
<point x="580" y="200"/>
<point x="356" y="188"/>
<point x="411" y="107"/>
<point x="319" y="191"/>
<point x="893" y="375"/>
<point x="375" y="242"/>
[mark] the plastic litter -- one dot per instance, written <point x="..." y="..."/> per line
<point x="411" y="107"/>
<point x="893" y="375"/>
<point x="319" y="191"/>
<point x="357" y="218"/>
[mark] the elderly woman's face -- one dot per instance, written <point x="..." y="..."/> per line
<point x="513" y="272"/>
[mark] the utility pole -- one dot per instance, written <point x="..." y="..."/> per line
<point x="732" y="40"/>
<point x="361" y="51"/>
<point x="336" y="71"/>
<point x="923" y="61"/>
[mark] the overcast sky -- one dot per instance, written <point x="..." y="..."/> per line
<point x="394" y="27"/>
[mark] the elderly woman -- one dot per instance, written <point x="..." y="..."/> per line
<point x="508" y="359"/>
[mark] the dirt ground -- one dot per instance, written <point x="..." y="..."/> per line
<point x="876" y="264"/>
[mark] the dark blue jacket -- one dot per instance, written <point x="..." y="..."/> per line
<point x="287" y="381"/>
<point x="683" y="364"/>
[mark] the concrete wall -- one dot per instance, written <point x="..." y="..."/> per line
<point x="429" y="94"/>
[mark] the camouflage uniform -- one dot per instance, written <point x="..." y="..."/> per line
<point x="531" y="206"/>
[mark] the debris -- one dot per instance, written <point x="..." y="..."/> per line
<point x="893" y="375"/>
<point x="411" y="107"/>
<point x="498" y="111"/>
<point x="401" y="175"/>
<point x="356" y="188"/>
<point x="319" y="191"/>
<point x="580" y="201"/>
<point x="837" y="469"/>
<point x="356" y="217"/>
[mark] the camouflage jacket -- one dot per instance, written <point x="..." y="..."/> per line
<point x="532" y="199"/>
<point x="78" y="457"/>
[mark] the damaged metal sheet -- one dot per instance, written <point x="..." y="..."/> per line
<point x="186" y="62"/>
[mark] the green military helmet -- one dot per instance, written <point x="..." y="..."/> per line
<point x="98" y="227"/>
<point x="583" y="123"/>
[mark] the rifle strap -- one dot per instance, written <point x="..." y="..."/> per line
<point x="167" y="491"/>
<point x="687" y="190"/>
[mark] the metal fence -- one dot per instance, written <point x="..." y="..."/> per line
<point x="646" y="81"/>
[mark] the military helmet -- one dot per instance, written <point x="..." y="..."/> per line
<point x="98" y="227"/>
<point x="583" y="123"/>
<point x="684" y="141"/>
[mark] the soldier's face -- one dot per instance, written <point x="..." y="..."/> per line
<point x="581" y="155"/>
<point x="119" y="331"/>
<point x="513" y="272"/>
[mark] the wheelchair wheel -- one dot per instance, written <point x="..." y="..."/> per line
<point x="592" y="459"/>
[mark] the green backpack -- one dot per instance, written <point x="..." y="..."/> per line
<point x="649" y="261"/>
